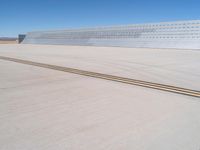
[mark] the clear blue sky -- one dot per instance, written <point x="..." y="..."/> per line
<point x="21" y="16"/>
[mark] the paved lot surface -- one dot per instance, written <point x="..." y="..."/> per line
<point x="47" y="109"/>
<point x="174" y="67"/>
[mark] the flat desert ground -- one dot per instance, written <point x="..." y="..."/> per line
<point x="47" y="109"/>
<point x="8" y="42"/>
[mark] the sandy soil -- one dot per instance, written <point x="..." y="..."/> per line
<point x="8" y="42"/>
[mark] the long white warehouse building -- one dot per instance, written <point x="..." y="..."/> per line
<point x="179" y="34"/>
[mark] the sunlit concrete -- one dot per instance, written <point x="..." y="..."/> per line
<point x="48" y="109"/>
<point x="167" y="66"/>
<point x="45" y="109"/>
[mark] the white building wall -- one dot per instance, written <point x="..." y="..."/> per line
<point x="180" y="34"/>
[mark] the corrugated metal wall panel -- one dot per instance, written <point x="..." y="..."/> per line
<point x="181" y="34"/>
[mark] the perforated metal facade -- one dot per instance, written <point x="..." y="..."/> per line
<point x="181" y="34"/>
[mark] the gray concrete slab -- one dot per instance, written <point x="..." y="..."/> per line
<point x="167" y="66"/>
<point x="47" y="109"/>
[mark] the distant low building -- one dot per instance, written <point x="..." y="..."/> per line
<point x="8" y="39"/>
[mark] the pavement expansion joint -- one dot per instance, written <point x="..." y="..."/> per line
<point x="157" y="86"/>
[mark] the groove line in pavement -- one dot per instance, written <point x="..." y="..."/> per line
<point x="157" y="86"/>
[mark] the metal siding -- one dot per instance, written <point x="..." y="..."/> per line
<point x="181" y="34"/>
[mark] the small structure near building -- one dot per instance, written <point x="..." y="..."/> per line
<point x="21" y="37"/>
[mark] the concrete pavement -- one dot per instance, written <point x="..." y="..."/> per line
<point x="47" y="109"/>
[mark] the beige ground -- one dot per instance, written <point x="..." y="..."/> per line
<point x="45" y="109"/>
<point x="8" y="42"/>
